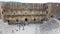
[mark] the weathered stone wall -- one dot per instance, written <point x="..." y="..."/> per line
<point x="29" y="12"/>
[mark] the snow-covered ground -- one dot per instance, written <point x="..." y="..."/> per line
<point x="52" y="26"/>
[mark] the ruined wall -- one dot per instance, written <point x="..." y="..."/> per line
<point x="56" y="9"/>
<point x="25" y="12"/>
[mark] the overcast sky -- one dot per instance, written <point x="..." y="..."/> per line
<point x="32" y="1"/>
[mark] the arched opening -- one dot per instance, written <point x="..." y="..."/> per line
<point x="34" y="19"/>
<point x="52" y="16"/>
<point x="26" y="19"/>
<point x="17" y="20"/>
<point x="2" y="12"/>
<point x="8" y="21"/>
